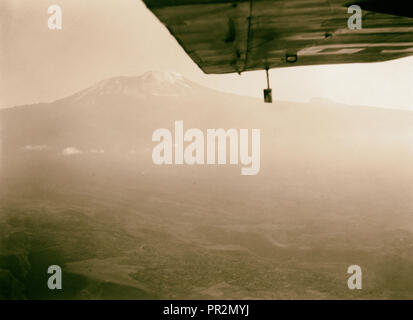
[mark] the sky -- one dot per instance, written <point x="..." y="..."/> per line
<point x="105" y="38"/>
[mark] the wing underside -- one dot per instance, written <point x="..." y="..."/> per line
<point x="224" y="36"/>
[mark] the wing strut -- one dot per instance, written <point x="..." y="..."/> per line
<point x="268" y="91"/>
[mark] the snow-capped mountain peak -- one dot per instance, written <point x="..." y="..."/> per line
<point x="163" y="76"/>
<point x="151" y="83"/>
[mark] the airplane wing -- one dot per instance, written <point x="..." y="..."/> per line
<point x="226" y="36"/>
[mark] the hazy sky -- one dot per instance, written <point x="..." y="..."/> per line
<point x="105" y="38"/>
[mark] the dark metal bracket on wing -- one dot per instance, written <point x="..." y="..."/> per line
<point x="248" y="37"/>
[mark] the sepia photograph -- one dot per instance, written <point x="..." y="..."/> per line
<point x="217" y="150"/>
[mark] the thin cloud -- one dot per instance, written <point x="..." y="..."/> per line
<point x="69" y="151"/>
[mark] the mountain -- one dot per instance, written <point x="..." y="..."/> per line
<point x="78" y="188"/>
<point x="151" y="83"/>
<point x="121" y="113"/>
<point x="114" y="113"/>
